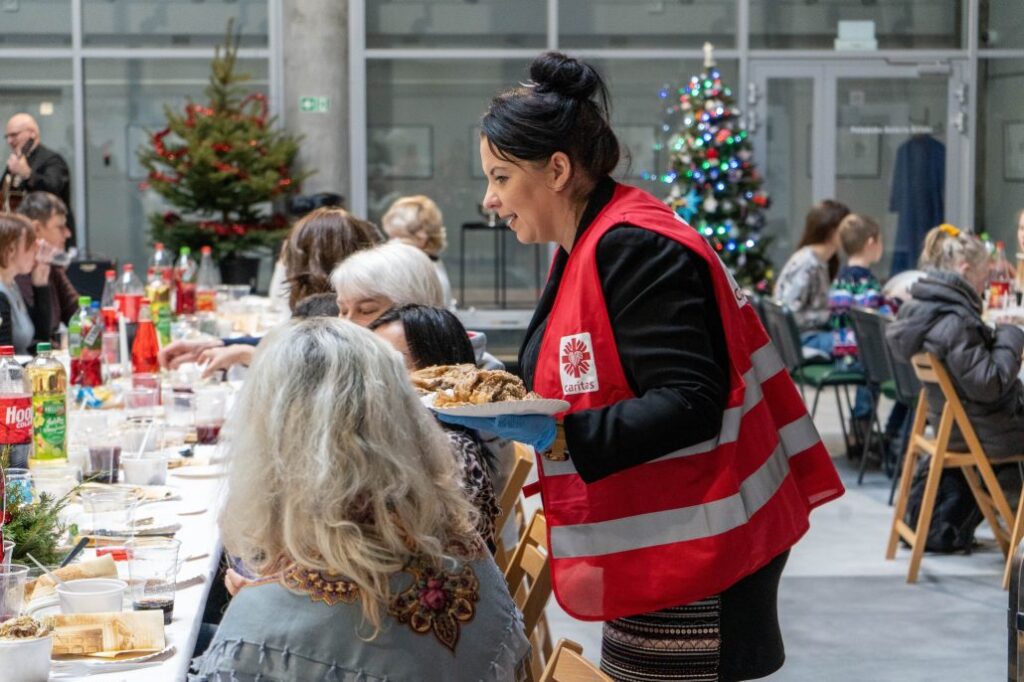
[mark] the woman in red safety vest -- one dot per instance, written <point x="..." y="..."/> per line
<point x="692" y="462"/>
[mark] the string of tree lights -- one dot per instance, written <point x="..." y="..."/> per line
<point x="715" y="186"/>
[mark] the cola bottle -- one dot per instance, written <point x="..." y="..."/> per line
<point x="15" y="412"/>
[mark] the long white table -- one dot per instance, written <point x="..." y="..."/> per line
<point x="200" y="540"/>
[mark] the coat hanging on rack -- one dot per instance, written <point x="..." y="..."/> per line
<point x="918" y="196"/>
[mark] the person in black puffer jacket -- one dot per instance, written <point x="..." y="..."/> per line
<point x="944" y="318"/>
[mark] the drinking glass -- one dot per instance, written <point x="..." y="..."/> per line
<point x="56" y="481"/>
<point x="211" y="405"/>
<point x="141" y="400"/>
<point x="104" y="457"/>
<point x="152" y="574"/>
<point x="112" y="512"/>
<point x="19" y="483"/>
<point x="180" y="408"/>
<point x="12" y="590"/>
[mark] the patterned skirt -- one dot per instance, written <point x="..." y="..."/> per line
<point x="681" y="643"/>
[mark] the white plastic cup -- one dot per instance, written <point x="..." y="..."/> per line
<point x="91" y="595"/>
<point x="146" y="470"/>
<point x="26" y="660"/>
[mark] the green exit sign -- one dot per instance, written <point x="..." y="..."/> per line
<point x="315" y="105"/>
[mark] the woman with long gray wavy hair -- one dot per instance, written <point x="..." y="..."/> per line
<point x="344" y="498"/>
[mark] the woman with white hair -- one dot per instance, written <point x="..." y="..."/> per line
<point x="371" y="281"/>
<point x="417" y="221"/>
<point x="344" y="498"/>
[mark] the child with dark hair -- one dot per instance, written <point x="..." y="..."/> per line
<point x="427" y="336"/>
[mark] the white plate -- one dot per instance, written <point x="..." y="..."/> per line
<point x="74" y="668"/>
<point x="544" y="406"/>
<point x="211" y="471"/>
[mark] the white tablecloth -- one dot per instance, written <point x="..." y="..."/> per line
<point x="200" y="539"/>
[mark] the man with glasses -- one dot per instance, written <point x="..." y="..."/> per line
<point x="31" y="167"/>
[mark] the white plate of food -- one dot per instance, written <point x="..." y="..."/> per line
<point x="464" y="390"/>
<point x="543" y="406"/>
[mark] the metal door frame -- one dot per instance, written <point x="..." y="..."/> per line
<point x="825" y="75"/>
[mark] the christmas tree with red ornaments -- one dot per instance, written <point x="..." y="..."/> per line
<point x="223" y="166"/>
<point x="715" y="185"/>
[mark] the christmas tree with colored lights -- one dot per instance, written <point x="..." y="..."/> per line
<point x="715" y="185"/>
<point x="223" y="166"/>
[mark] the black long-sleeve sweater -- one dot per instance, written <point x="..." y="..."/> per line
<point x="670" y="341"/>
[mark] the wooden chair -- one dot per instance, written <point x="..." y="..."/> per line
<point x="568" y="665"/>
<point x="510" y="503"/>
<point x="975" y="465"/>
<point x="529" y="581"/>
<point x="1015" y="537"/>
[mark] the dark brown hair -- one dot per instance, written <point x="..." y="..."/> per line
<point x="12" y="228"/>
<point x="563" y="108"/>
<point x="820" y="227"/>
<point x="317" y="243"/>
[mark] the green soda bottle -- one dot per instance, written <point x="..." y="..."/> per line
<point x="49" y="408"/>
<point x="163" y="324"/>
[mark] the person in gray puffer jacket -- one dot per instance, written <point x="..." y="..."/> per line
<point x="944" y="318"/>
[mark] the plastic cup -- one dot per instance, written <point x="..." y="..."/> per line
<point x="104" y="458"/>
<point x="146" y="470"/>
<point x="56" y="481"/>
<point x="91" y="595"/>
<point x="112" y="512"/>
<point x="12" y="590"/>
<point x="211" y="405"/>
<point x="153" y="573"/>
<point x="19" y="483"/>
<point x="141" y="436"/>
<point x="141" y="401"/>
<point x="180" y="408"/>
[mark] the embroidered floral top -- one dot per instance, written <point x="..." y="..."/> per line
<point x="456" y="623"/>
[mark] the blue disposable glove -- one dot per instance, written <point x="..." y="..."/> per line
<point x="537" y="430"/>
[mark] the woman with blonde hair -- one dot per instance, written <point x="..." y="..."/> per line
<point x="417" y="221"/>
<point x="945" y="318"/>
<point x="343" y="497"/>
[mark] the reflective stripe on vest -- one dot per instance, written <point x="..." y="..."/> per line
<point x="674" y="525"/>
<point x="795" y="437"/>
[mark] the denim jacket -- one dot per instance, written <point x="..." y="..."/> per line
<point x="458" y="624"/>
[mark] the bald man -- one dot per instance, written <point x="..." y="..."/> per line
<point x="36" y="168"/>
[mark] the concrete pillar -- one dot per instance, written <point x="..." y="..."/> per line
<point x="315" y="45"/>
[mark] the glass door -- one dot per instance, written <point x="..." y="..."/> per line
<point x="888" y="140"/>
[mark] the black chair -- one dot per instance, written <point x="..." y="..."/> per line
<point x="907" y="389"/>
<point x="89" y="275"/>
<point x="869" y="330"/>
<point x="758" y="302"/>
<point x="781" y="326"/>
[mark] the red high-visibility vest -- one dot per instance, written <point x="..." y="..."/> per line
<point x="693" y="522"/>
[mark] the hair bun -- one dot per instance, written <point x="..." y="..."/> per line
<point x="564" y="75"/>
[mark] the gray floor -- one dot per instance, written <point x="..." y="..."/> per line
<point x="847" y="614"/>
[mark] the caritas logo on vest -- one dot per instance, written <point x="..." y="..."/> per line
<point x="576" y="364"/>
